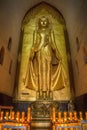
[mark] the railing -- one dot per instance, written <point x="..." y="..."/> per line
<point x="10" y="108"/>
<point x="15" y="126"/>
<point x="77" y="127"/>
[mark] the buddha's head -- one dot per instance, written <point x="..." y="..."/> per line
<point x="43" y="22"/>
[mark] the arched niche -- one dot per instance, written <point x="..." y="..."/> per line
<point x="29" y="24"/>
<point x="2" y="53"/>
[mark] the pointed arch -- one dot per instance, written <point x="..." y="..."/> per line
<point x="34" y="10"/>
<point x="29" y="26"/>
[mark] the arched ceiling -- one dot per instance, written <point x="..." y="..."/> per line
<point x="20" y="7"/>
<point x="12" y="13"/>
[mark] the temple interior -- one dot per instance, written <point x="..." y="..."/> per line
<point x="43" y="64"/>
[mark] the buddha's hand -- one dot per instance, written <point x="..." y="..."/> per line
<point x="31" y="54"/>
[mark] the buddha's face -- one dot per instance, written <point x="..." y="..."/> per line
<point x="43" y="22"/>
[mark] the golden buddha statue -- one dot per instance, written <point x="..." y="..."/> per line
<point x="46" y="71"/>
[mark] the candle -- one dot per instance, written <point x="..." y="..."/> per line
<point x="53" y="115"/>
<point x="60" y="120"/>
<point x="12" y="115"/>
<point x="70" y="116"/>
<point x="7" y="116"/>
<point x="80" y="115"/>
<point x="2" y="115"/>
<point x="86" y="115"/>
<point x="23" y="117"/>
<point x="65" y="116"/>
<point x="29" y="114"/>
<point x="18" y="116"/>
<point x="75" y="116"/>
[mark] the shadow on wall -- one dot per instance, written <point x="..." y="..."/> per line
<point x="81" y="103"/>
<point x="5" y="100"/>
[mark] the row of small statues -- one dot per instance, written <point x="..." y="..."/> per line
<point x="67" y="117"/>
<point x="16" y="116"/>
